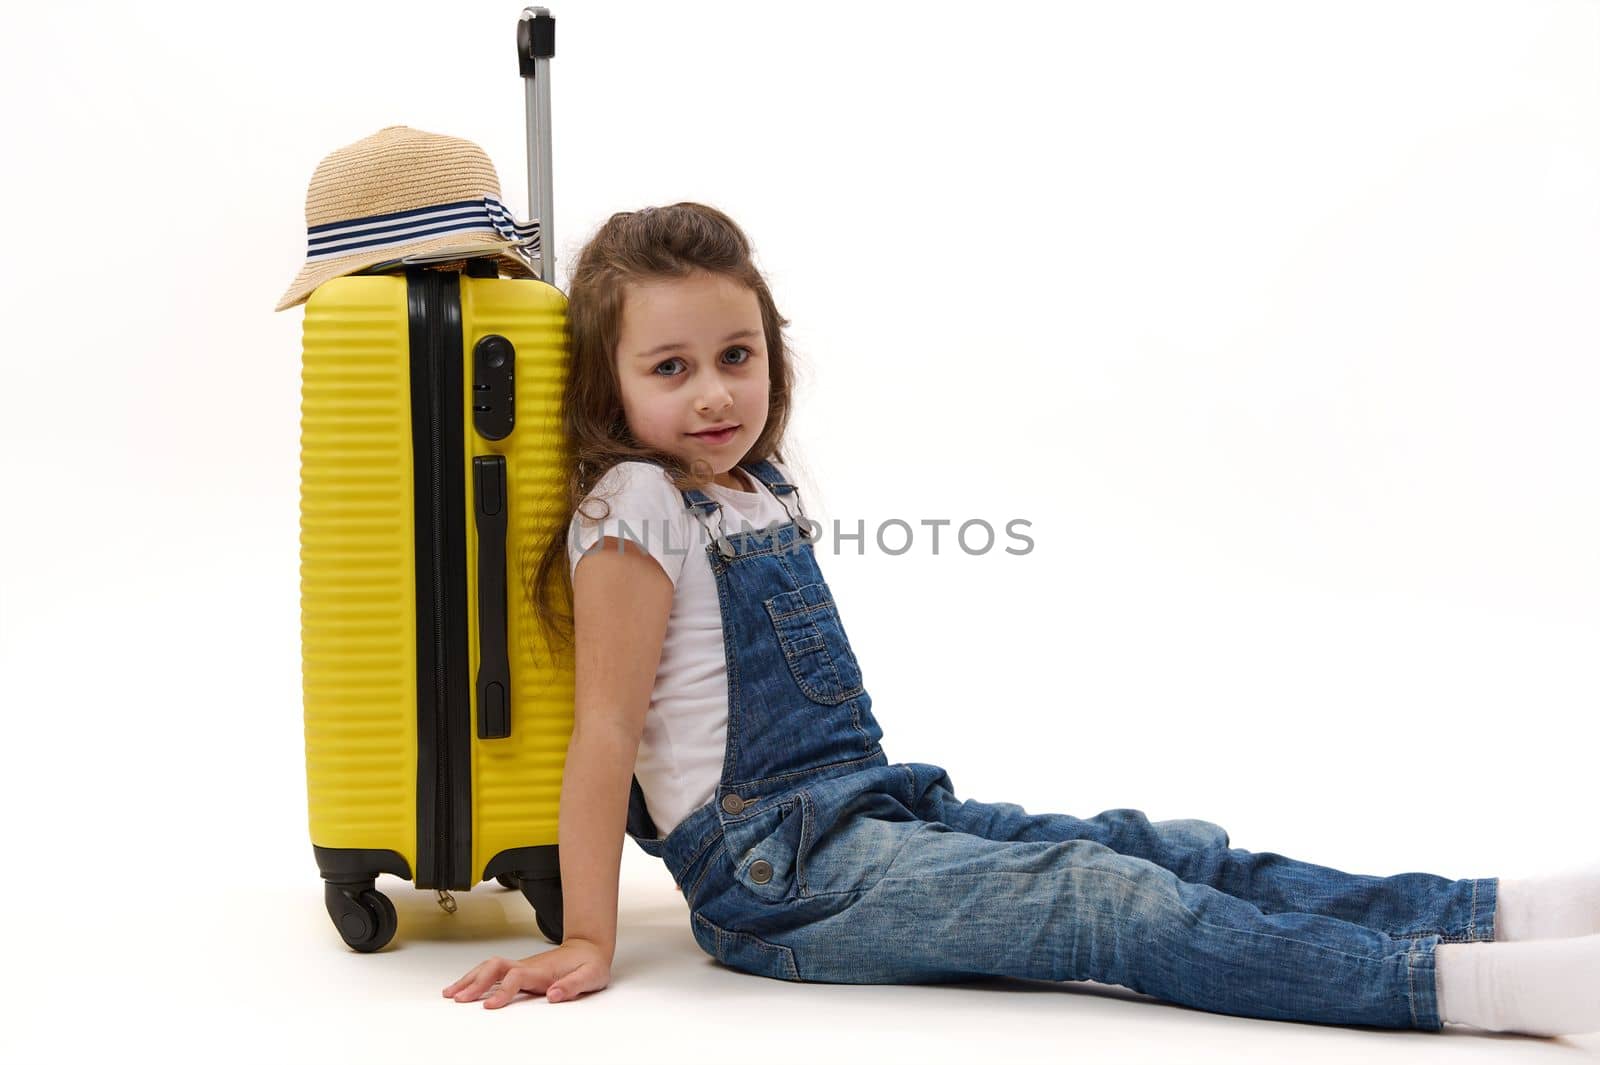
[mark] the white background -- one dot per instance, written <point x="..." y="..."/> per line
<point x="1276" y="321"/>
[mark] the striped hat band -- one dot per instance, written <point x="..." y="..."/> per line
<point x="332" y="240"/>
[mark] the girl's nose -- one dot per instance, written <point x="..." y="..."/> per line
<point x="715" y="400"/>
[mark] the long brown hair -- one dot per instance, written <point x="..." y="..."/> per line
<point x="638" y="246"/>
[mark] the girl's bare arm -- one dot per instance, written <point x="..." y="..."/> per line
<point x="621" y="599"/>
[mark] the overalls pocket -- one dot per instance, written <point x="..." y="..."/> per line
<point x="765" y="850"/>
<point x="745" y="952"/>
<point x="813" y="642"/>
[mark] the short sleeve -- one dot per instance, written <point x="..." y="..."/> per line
<point x="634" y="501"/>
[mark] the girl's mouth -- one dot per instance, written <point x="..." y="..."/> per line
<point x="719" y="437"/>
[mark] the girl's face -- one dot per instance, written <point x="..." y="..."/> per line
<point x="692" y="356"/>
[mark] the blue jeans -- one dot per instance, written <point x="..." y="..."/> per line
<point x="896" y="880"/>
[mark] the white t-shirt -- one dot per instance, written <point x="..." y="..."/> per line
<point x="685" y="730"/>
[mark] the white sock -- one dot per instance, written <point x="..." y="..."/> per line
<point x="1542" y="987"/>
<point x="1548" y="907"/>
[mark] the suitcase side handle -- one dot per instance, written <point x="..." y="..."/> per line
<point x="494" y="669"/>
<point x="536" y="46"/>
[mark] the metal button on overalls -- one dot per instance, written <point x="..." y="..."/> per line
<point x="761" y="870"/>
<point x="733" y="804"/>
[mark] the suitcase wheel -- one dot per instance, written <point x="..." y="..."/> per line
<point x="544" y="895"/>
<point x="363" y="915"/>
<point x="552" y="934"/>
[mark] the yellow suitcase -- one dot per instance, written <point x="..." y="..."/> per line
<point x="436" y="728"/>
<point x="436" y="724"/>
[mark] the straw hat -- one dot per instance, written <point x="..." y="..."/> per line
<point x="406" y="196"/>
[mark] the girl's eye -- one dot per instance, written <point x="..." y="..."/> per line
<point x="748" y="355"/>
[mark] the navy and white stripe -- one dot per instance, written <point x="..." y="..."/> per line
<point x="332" y="240"/>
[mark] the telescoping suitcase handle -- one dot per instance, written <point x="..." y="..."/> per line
<point x="536" y="46"/>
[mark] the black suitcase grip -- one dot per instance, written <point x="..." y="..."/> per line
<point x="536" y="38"/>
<point x="494" y="671"/>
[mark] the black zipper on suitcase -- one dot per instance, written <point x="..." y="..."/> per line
<point x="444" y="822"/>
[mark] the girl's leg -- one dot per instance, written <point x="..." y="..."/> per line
<point x="883" y="900"/>
<point x="1404" y="905"/>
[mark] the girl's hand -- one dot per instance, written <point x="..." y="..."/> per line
<point x="574" y="967"/>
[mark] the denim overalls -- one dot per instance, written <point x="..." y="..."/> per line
<point x="817" y="860"/>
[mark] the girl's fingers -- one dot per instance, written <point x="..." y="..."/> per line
<point x="473" y="984"/>
<point x="511" y="984"/>
<point x="570" y="985"/>
<point x="504" y="980"/>
<point x="461" y="984"/>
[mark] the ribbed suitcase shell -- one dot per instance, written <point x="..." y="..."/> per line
<point x="358" y="571"/>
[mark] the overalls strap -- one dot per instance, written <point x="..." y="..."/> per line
<point x="768" y="475"/>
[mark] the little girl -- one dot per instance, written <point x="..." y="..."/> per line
<point x="722" y="723"/>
